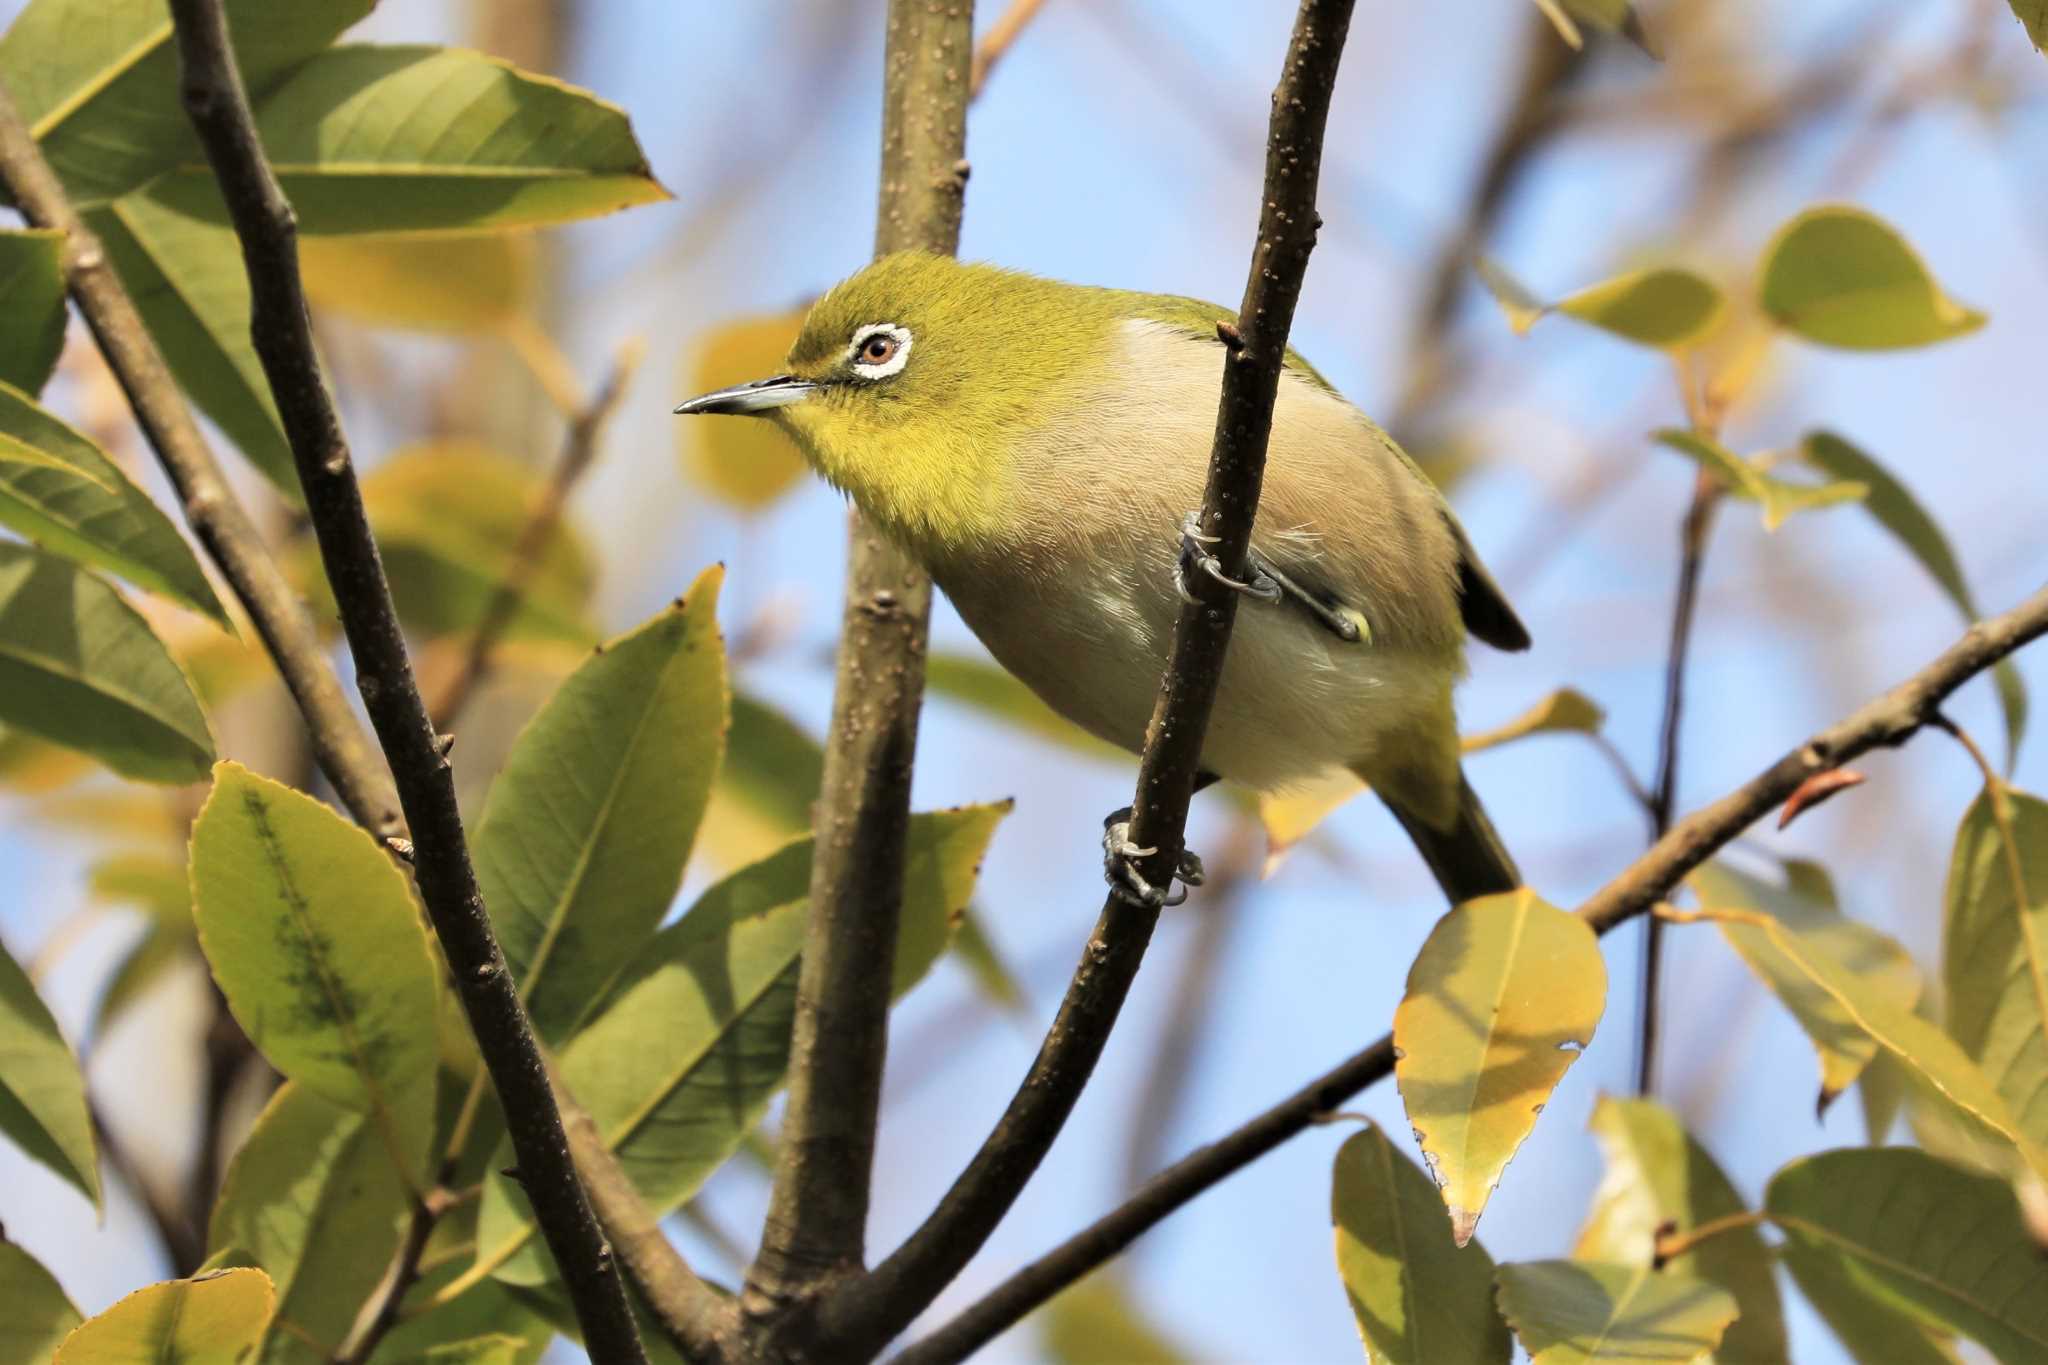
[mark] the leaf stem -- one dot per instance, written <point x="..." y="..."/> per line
<point x="1674" y="1244"/>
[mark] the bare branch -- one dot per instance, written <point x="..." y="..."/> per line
<point x="1885" y="722"/>
<point x="998" y="40"/>
<point x="218" y="106"/>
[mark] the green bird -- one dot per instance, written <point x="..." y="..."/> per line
<point x="1038" y="447"/>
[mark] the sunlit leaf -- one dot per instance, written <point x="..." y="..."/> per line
<point x="1581" y="1312"/>
<point x="496" y="1349"/>
<point x="1524" y="310"/>
<point x="31" y="304"/>
<point x="57" y="489"/>
<point x="1884" y="970"/>
<point x="1565" y="711"/>
<point x="487" y="1308"/>
<point x="584" y="836"/>
<point x="1995" y="948"/>
<point x="1615" y="16"/>
<point x="744" y="460"/>
<point x="313" y="1200"/>
<point x="1881" y="1092"/>
<point x="1779" y="498"/>
<point x="42" y="1091"/>
<point x="38" y="1315"/>
<point x="1898" y="511"/>
<point x="1925" y="1238"/>
<point x="158" y="886"/>
<point x="452" y="282"/>
<point x="1418" y="1299"/>
<point x="1659" y="1176"/>
<point x="1095" y="1322"/>
<point x="80" y="668"/>
<point x="1663" y="307"/>
<point x="1501" y="1001"/>
<point x="2034" y="15"/>
<point x="312" y="934"/>
<point x="1292" y="815"/>
<point x="210" y="1319"/>
<point x="1843" y="277"/>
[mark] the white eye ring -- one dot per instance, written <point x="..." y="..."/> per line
<point x="894" y="364"/>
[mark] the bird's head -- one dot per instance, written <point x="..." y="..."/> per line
<point x="917" y="383"/>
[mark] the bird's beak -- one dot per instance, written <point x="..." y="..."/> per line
<point x="755" y="398"/>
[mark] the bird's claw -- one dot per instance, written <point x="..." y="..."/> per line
<point x="1120" y="867"/>
<point x="1195" y="558"/>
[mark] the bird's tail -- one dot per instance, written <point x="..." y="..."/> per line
<point x="1466" y="854"/>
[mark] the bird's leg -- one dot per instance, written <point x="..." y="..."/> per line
<point x="1120" y="862"/>
<point x="1195" y="558"/>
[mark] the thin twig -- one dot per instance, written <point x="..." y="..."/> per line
<point x="1885" y="722"/>
<point x="218" y="106"/>
<point x="817" y="1219"/>
<point x="579" y="451"/>
<point x="382" y="1313"/>
<point x="864" y="1313"/>
<point x="996" y="42"/>
<point x="211" y="508"/>
<point x="1672" y="1244"/>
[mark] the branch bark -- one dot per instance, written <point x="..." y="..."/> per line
<point x="1884" y="722"/>
<point x="214" y="99"/>
<point x="817" y="1218"/>
<point x="864" y="1313"/>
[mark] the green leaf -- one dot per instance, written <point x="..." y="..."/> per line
<point x="1884" y="970"/>
<point x="1666" y="308"/>
<point x="97" y="80"/>
<point x="311" y="932"/>
<point x="996" y="692"/>
<point x="1995" y="948"/>
<point x="418" y="139"/>
<point x="1871" y="1330"/>
<point x="1094" y="1322"/>
<point x="496" y="1349"/>
<point x="1580" y="1312"/>
<point x="161" y="888"/>
<point x="188" y="282"/>
<point x="585" y="833"/>
<point x="487" y="1308"/>
<point x="689" y="1048"/>
<point x="1657" y="1175"/>
<point x="2034" y="15"/>
<point x="1899" y="512"/>
<point x="1925" y="1238"/>
<point x="32" y="318"/>
<point x="42" y="1091"/>
<point x="57" y="489"/>
<point x="1843" y="277"/>
<point x="38" y="1315"/>
<point x="1419" y="1299"/>
<point x="1779" y="498"/>
<point x="1615" y="16"/>
<point x="1501" y="1001"/>
<point x="1565" y="711"/>
<point x="209" y="1319"/>
<point x="80" y="668"/>
<point x="313" y="1200"/>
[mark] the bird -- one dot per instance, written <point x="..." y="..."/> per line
<point x="1039" y="447"/>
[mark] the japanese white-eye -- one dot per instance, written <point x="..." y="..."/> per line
<point x="1037" y="445"/>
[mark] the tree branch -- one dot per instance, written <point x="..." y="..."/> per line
<point x="218" y="106"/>
<point x="817" y="1218"/>
<point x="211" y="509"/>
<point x="1885" y="722"/>
<point x="864" y="1313"/>
<point x="996" y="43"/>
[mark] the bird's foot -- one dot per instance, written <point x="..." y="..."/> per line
<point x="1195" y="558"/>
<point x="1120" y="867"/>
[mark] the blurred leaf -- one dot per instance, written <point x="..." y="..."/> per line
<point x="455" y="282"/>
<point x="312" y="934"/>
<point x="80" y="668"/>
<point x="1501" y="1001"/>
<point x="1898" y="511"/>
<point x="1578" y="1312"/>
<point x="32" y="289"/>
<point x="586" y="830"/>
<point x="1565" y="711"/>
<point x="978" y="953"/>
<point x="1843" y="277"/>
<point x="689" y="1048"/>
<point x="1995" y="948"/>
<point x="34" y="766"/>
<point x="97" y="80"/>
<point x="744" y="460"/>
<point x="1884" y="970"/>
<point x="1524" y="309"/>
<point x="1292" y="815"/>
<point x="1666" y="308"/>
<point x="2034" y="15"/>
<point x="57" y="489"/>
<point x="1923" y="1238"/>
<point x="188" y="282"/>
<point x="214" y="1317"/>
<point x="765" y="789"/>
<point x="1868" y="1328"/>
<point x="992" y="689"/>
<point x="418" y="139"/>
<point x="38" y="1315"/>
<point x="158" y="886"/>
<point x="1657" y="1175"/>
<point x="1419" y="1299"/>
<point x="1881" y="1091"/>
<point x="1095" y="1322"/>
<point x="42" y="1090"/>
<point x="496" y="1349"/>
<point x="485" y="1308"/>
<point x="313" y="1200"/>
<point x="1615" y="16"/>
<point x="1779" y="498"/>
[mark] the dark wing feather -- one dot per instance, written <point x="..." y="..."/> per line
<point x="1481" y="601"/>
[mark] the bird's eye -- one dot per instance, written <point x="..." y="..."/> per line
<point x="878" y="349"/>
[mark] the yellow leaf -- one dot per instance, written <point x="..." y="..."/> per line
<point x="211" y="1317"/>
<point x="1501" y="1000"/>
<point x="1292" y="815"/>
<point x="1664" y="307"/>
<point x="458" y="283"/>
<point x="1563" y="710"/>
<point x="745" y="460"/>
